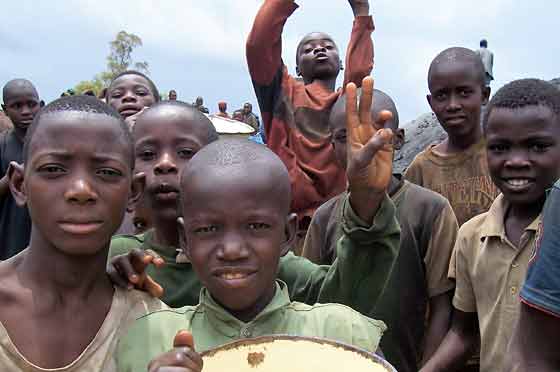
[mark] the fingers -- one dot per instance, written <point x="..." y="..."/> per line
<point x="124" y="269"/>
<point x="383" y="117"/>
<point x="153" y="288"/>
<point x="352" y="118"/>
<point x="366" y="101"/>
<point x="116" y="277"/>
<point x="381" y="138"/>
<point x="178" y="360"/>
<point x="183" y="338"/>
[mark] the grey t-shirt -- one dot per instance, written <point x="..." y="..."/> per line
<point x="487" y="60"/>
<point x="15" y="223"/>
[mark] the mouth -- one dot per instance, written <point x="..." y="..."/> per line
<point x="166" y="192"/>
<point x="80" y="228"/>
<point x="234" y="277"/>
<point x="518" y="184"/>
<point x="321" y="58"/>
<point x="127" y="111"/>
<point x="455" y="120"/>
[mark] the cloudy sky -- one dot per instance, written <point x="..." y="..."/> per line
<point x="197" y="47"/>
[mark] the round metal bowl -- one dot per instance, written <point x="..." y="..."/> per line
<point x="281" y="353"/>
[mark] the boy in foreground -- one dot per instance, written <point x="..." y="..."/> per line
<point x="522" y="130"/>
<point x="59" y="309"/>
<point x="457" y="168"/>
<point x="166" y="137"/>
<point x="21" y="104"/>
<point x="234" y="241"/>
<point x="295" y="113"/>
<point x="419" y="279"/>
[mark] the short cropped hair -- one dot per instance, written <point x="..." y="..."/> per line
<point x="523" y="93"/>
<point x="151" y="84"/>
<point x="81" y="103"/>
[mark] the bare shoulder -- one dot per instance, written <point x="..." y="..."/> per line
<point x="10" y="284"/>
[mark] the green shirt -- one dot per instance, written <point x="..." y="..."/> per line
<point x="212" y="326"/>
<point x="365" y="258"/>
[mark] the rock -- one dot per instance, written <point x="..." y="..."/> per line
<point x="419" y="134"/>
<point x="556" y="82"/>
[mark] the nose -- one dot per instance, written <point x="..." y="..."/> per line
<point x="319" y="49"/>
<point x="80" y="192"/>
<point x="454" y="103"/>
<point x="129" y="96"/>
<point x="25" y="110"/>
<point x="518" y="158"/>
<point x="233" y="247"/>
<point x="165" y="165"/>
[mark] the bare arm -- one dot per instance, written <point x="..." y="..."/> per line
<point x="457" y="345"/>
<point x="534" y="346"/>
<point x="438" y="324"/>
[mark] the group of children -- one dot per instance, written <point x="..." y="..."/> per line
<point x="438" y="255"/>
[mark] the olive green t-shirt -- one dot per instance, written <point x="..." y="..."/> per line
<point x="366" y="255"/>
<point x="212" y="326"/>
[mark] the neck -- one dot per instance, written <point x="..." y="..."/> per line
<point x="329" y="84"/>
<point x="526" y="213"/>
<point x="250" y="314"/>
<point x="165" y="232"/>
<point x="454" y="145"/>
<point x="62" y="275"/>
<point x="20" y="133"/>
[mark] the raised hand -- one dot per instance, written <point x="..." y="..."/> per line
<point x="182" y="358"/>
<point x="370" y="151"/>
<point x="129" y="271"/>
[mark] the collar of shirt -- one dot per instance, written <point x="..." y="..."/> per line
<point x="494" y="223"/>
<point x="221" y="320"/>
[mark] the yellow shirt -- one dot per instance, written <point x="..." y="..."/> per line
<point x="98" y="356"/>
<point x="490" y="271"/>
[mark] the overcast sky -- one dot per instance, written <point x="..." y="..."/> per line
<point x="198" y="47"/>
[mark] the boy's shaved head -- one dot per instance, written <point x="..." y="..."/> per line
<point x="311" y="36"/>
<point x="240" y="157"/>
<point x="525" y="92"/>
<point x="16" y="86"/>
<point x="190" y="113"/>
<point x="82" y="104"/>
<point x="455" y="55"/>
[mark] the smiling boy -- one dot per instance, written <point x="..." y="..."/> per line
<point x="295" y="113"/>
<point x="21" y="104"/>
<point x="59" y="310"/>
<point x="234" y="241"/>
<point x="522" y="130"/>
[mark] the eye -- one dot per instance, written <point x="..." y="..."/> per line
<point x="139" y="224"/>
<point x="186" y="153"/>
<point x="465" y="93"/>
<point x="329" y="47"/>
<point x="206" y="229"/>
<point x="498" y="148"/>
<point x="258" y="226"/>
<point x="142" y="92"/>
<point x="109" y="172"/>
<point x="539" y="147"/>
<point x="146" y="155"/>
<point x="440" y="96"/>
<point x="52" y="170"/>
<point x="308" y="50"/>
<point x="116" y="94"/>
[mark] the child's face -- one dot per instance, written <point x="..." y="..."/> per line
<point x="456" y="98"/>
<point x="318" y="57"/>
<point x="165" y="140"/>
<point x="21" y="106"/>
<point x="236" y="230"/>
<point x="129" y="94"/>
<point x="77" y="181"/>
<point x="523" y="152"/>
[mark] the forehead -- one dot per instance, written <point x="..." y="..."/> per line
<point x="130" y="80"/>
<point x="522" y="123"/>
<point x="21" y="93"/>
<point x="72" y="131"/>
<point x="167" y="122"/>
<point x="450" y="73"/>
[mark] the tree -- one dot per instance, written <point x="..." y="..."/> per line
<point x="118" y="60"/>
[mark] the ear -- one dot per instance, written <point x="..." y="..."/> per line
<point x="41" y="103"/>
<point x="298" y="73"/>
<point x="16" y="182"/>
<point x="136" y="190"/>
<point x="291" y="232"/>
<point x="398" y="139"/>
<point x="183" y="237"/>
<point x="341" y="65"/>
<point x="429" y="99"/>
<point x="485" y="95"/>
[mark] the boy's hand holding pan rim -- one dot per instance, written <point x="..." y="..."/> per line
<point x="370" y="152"/>
<point x="183" y="357"/>
<point x="129" y="271"/>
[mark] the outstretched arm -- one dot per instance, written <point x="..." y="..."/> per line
<point x="359" y="54"/>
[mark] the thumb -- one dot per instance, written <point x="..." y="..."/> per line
<point x="383" y="117"/>
<point x="183" y="338"/>
<point x="381" y="138"/>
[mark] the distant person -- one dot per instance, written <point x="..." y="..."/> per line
<point x="89" y="92"/>
<point x="172" y="95"/>
<point x="487" y="60"/>
<point x="222" y="110"/>
<point x="237" y="115"/>
<point x="21" y="104"/>
<point x="199" y="104"/>
<point x="249" y="117"/>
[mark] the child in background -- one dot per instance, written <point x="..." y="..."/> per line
<point x="295" y="113"/>
<point x="522" y="131"/>
<point x="235" y="240"/>
<point x="419" y="278"/>
<point x="457" y="168"/>
<point x="21" y="104"/>
<point x="59" y="310"/>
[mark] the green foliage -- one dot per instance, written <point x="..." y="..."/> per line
<point x="118" y="60"/>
